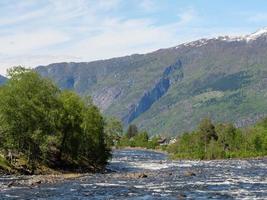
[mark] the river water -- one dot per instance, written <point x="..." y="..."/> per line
<point x="145" y="175"/>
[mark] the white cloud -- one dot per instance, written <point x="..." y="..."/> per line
<point x="118" y="37"/>
<point x="85" y="30"/>
<point x="21" y="18"/>
<point x="27" y="60"/>
<point x="187" y="16"/>
<point x="22" y="42"/>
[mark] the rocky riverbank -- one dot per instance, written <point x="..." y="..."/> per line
<point x="31" y="181"/>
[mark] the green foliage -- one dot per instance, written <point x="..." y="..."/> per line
<point x="221" y="141"/>
<point x="140" y="140"/>
<point x="207" y="132"/>
<point x="133" y="138"/>
<point x="70" y="123"/>
<point x="113" y="130"/>
<point x="153" y="142"/>
<point x="50" y="126"/>
<point x="132" y="131"/>
<point x="94" y="146"/>
<point x="28" y="110"/>
<point x="4" y="165"/>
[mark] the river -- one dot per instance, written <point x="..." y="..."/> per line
<point x="145" y="175"/>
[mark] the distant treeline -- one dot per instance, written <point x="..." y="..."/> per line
<point x="207" y="141"/>
<point x="42" y="125"/>
<point x="135" y="138"/>
<point x="217" y="141"/>
<point x="131" y="138"/>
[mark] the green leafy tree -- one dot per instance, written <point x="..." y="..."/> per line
<point x="28" y="110"/>
<point x="215" y="150"/>
<point x="49" y="126"/>
<point x="153" y="142"/>
<point x="229" y="137"/>
<point x="113" y="130"/>
<point x="132" y="131"/>
<point x="207" y="132"/>
<point x="70" y="123"/>
<point x="94" y="138"/>
<point x="141" y="139"/>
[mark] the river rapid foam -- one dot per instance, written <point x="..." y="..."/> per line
<point x="140" y="174"/>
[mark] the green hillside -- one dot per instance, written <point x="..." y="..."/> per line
<point x="170" y="90"/>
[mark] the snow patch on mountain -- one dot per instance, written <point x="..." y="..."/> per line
<point x="257" y="34"/>
<point x="245" y="38"/>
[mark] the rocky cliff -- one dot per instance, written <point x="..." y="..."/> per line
<point x="171" y="74"/>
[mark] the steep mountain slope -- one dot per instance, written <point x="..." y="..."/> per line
<point x="170" y="90"/>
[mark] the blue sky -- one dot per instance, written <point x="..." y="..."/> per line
<point x="35" y="32"/>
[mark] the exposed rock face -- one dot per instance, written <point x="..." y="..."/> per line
<point x="105" y="97"/>
<point x="158" y="90"/>
<point x="148" y="99"/>
<point x="170" y="90"/>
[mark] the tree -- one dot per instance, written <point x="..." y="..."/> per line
<point x="207" y="131"/>
<point x="70" y="123"/>
<point x="153" y="143"/>
<point x="82" y="131"/>
<point x="50" y="126"/>
<point x="28" y="110"/>
<point x="140" y="140"/>
<point x="215" y="150"/>
<point x="229" y="136"/>
<point x="94" y="146"/>
<point x="132" y="131"/>
<point x="113" y="130"/>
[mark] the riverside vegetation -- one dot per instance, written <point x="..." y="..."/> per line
<point x="221" y="141"/>
<point x="45" y="128"/>
<point x="132" y="138"/>
<point x="209" y="141"/>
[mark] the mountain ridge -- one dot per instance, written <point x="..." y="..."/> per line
<point x="217" y="75"/>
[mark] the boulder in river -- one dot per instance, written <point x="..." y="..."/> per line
<point x="35" y="182"/>
<point x="190" y="173"/>
<point x="142" y="175"/>
<point x="136" y="175"/>
<point x="181" y="196"/>
<point x="10" y="184"/>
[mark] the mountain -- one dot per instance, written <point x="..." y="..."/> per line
<point x="169" y="91"/>
<point x="2" y="80"/>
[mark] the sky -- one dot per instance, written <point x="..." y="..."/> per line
<point x="39" y="32"/>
